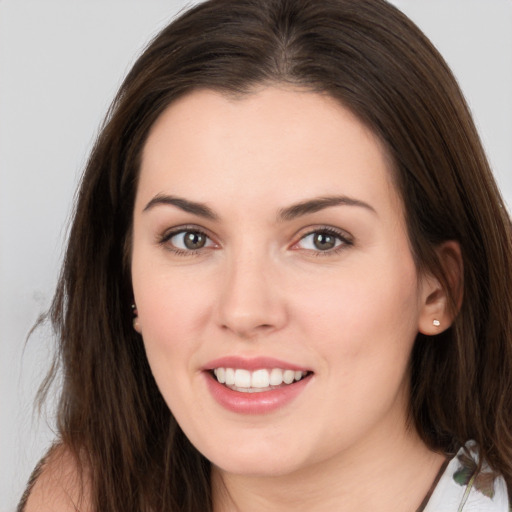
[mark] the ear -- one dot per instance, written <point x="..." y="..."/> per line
<point x="440" y="302"/>
<point x="136" y="323"/>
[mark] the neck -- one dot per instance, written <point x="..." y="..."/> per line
<point x="394" y="475"/>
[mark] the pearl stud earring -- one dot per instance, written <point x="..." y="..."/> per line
<point x="135" y="314"/>
<point x="436" y="322"/>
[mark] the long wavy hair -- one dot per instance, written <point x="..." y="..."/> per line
<point x="378" y="64"/>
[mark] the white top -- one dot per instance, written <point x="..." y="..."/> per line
<point x="461" y="489"/>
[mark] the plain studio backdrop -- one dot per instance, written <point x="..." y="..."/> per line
<point x="61" y="62"/>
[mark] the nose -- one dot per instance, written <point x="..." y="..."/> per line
<point x="252" y="301"/>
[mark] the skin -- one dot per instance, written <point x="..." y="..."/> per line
<point x="260" y="287"/>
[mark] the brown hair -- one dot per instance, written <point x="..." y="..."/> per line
<point x="370" y="57"/>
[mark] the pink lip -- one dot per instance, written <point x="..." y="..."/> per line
<point x="254" y="403"/>
<point x="251" y="364"/>
<point x="262" y="402"/>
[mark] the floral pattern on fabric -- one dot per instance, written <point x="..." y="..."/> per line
<point x="464" y="489"/>
<point x="483" y="481"/>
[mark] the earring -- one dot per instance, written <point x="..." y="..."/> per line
<point x="135" y="314"/>
<point x="436" y="322"/>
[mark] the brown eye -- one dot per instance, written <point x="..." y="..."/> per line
<point x="324" y="241"/>
<point x="194" y="240"/>
<point x="187" y="240"/>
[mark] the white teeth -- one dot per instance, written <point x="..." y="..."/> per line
<point x="276" y="377"/>
<point x="288" y="376"/>
<point x="230" y="377"/>
<point x="258" y="380"/>
<point x="242" y="378"/>
<point x="220" y="373"/>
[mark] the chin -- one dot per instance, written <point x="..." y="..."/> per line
<point x="255" y="461"/>
<point x="260" y="468"/>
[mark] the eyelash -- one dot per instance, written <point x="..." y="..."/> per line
<point x="164" y="240"/>
<point x="341" y="236"/>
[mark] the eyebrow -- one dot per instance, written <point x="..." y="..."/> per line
<point x="318" y="204"/>
<point x="284" y="214"/>
<point x="199" y="209"/>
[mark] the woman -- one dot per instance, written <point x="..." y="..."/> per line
<point x="289" y="269"/>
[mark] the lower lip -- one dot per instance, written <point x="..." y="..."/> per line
<point x="261" y="402"/>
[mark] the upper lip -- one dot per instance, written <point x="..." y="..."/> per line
<point x="252" y="363"/>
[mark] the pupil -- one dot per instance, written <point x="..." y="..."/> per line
<point x="324" y="241"/>
<point x="194" y="240"/>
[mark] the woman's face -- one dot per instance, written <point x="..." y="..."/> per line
<point x="270" y="249"/>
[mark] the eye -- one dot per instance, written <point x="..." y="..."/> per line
<point x="323" y="240"/>
<point x="187" y="240"/>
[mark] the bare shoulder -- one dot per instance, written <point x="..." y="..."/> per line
<point x="57" y="485"/>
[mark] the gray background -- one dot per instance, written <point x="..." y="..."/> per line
<point x="61" y="62"/>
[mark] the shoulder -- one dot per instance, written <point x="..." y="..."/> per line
<point x="58" y="484"/>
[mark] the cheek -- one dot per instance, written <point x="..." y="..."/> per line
<point x="364" y="328"/>
<point x="172" y="311"/>
<point x="364" y="317"/>
<point x="170" y="321"/>
<point x="172" y="302"/>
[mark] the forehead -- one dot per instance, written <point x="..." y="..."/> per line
<point x="274" y="141"/>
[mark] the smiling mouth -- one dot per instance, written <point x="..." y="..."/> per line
<point x="245" y="381"/>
